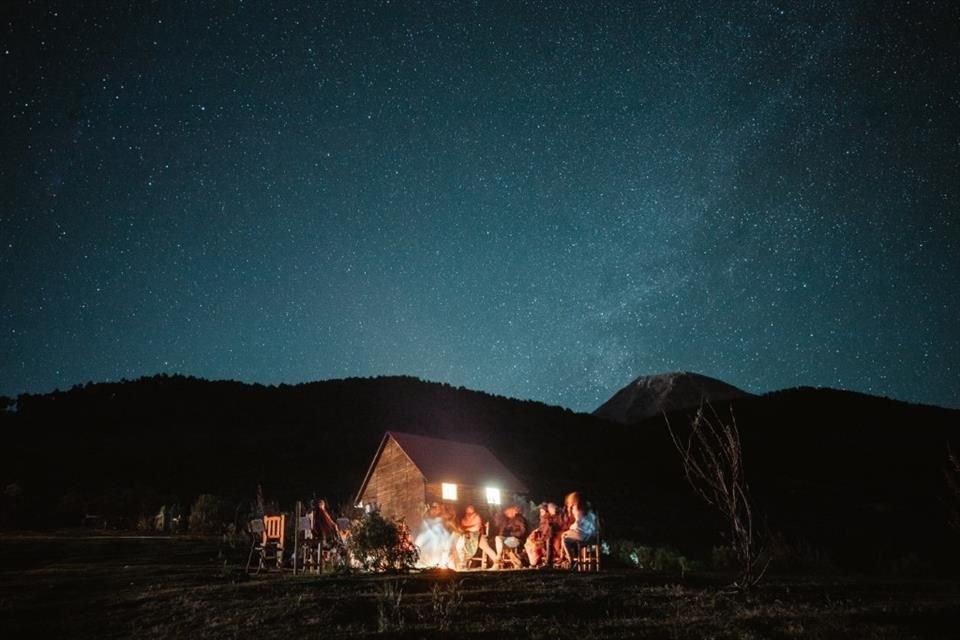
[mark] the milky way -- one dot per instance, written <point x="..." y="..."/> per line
<point x="541" y="200"/>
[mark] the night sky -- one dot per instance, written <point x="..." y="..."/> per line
<point x="541" y="200"/>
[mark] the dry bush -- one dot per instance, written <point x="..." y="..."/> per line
<point x="379" y="544"/>
<point x="712" y="458"/>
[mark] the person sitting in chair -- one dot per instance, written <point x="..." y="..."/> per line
<point x="472" y="537"/>
<point x="540" y="541"/>
<point x="324" y="528"/>
<point x="513" y="529"/>
<point x="583" y="529"/>
<point x="562" y="522"/>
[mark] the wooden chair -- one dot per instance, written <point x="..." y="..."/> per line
<point x="479" y="558"/>
<point x="309" y="548"/>
<point x="274" y="530"/>
<point x="588" y="553"/>
<point x="312" y="552"/>
<point x="510" y="557"/>
<point x="269" y="546"/>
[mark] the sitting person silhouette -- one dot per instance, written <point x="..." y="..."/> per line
<point x="583" y="530"/>
<point x="513" y="530"/>
<point x="472" y="537"/>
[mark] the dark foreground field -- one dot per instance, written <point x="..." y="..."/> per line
<point x="100" y="587"/>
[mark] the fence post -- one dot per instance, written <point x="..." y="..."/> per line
<point x="296" y="537"/>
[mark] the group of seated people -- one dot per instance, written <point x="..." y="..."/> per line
<point x="555" y="540"/>
<point x="447" y="541"/>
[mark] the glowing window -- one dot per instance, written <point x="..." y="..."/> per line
<point x="493" y="495"/>
<point x="449" y="491"/>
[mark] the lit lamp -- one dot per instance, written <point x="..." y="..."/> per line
<point x="493" y="496"/>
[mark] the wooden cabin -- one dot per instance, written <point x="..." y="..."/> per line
<point x="411" y="471"/>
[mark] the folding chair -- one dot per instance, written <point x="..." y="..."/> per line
<point x="270" y="543"/>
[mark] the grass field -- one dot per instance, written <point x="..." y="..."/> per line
<point x="97" y="587"/>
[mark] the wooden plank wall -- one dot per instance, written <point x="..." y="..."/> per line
<point x="397" y="487"/>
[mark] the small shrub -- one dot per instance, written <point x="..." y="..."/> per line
<point x="647" y="558"/>
<point x="144" y="523"/>
<point x="669" y="561"/>
<point x="380" y="545"/>
<point x="628" y="553"/>
<point x="207" y="516"/>
<point x="798" y="556"/>
<point x="911" y="565"/>
<point x="722" y="558"/>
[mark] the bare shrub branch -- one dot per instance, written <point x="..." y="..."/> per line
<point x="712" y="458"/>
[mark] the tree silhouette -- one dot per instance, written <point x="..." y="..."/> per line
<point x="712" y="458"/>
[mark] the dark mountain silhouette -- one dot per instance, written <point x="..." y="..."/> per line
<point x="183" y="436"/>
<point x="853" y="478"/>
<point x="652" y="395"/>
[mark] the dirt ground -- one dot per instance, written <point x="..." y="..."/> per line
<point x="81" y="586"/>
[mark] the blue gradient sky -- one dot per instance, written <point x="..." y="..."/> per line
<point x="540" y="200"/>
